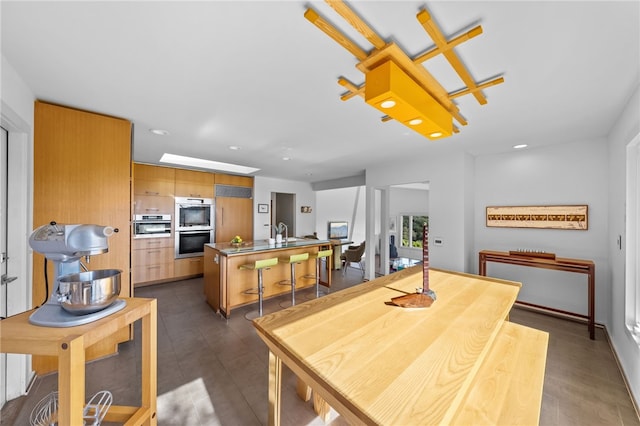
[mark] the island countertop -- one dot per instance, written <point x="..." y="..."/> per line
<point x="256" y="246"/>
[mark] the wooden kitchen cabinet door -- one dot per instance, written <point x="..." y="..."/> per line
<point x="234" y="216"/>
<point x="153" y="180"/>
<point x="153" y="204"/>
<point x="192" y="183"/>
<point x="82" y="175"/>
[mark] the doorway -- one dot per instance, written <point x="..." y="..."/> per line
<point x="283" y="209"/>
<point x="4" y="146"/>
<point x="15" y="224"/>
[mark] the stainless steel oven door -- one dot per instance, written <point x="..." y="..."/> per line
<point x="191" y="243"/>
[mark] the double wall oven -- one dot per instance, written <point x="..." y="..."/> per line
<point x="194" y="227"/>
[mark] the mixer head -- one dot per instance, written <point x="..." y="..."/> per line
<point x="68" y="243"/>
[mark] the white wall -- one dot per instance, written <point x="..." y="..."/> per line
<point x="627" y="127"/>
<point x="572" y="173"/>
<point x="446" y="176"/>
<point x="342" y="204"/>
<point x="16" y="115"/>
<point x="263" y="187"/>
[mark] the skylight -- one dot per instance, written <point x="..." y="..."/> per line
<point x="206" y="164"/>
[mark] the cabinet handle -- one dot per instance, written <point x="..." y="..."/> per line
<point x="194" y="195"/>
<point x="222" y="216"/>
<point x="153" y="267"/>
<point x="153" y="251"/>
<point x="195" y="260"/>
<point x="153" y="242"/>
<point x="151" y="193"/>
<point x="153" y="209"/>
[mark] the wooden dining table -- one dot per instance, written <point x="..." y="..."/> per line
<point x="460" y="361"/>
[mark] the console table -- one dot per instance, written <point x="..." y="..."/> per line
<point x="557" y="264"/>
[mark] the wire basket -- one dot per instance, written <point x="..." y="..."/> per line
<point x="45" y="413"/>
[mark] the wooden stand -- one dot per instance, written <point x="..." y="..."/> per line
<point x="557" y="264"/>
<point x="68" y="344"/>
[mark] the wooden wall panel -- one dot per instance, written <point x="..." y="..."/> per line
<point x="82" y="174"/>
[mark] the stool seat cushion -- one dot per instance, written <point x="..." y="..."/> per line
<point x="295" y="258"/>
<point x="260" y="264"/>
<point x="323" y="253"/>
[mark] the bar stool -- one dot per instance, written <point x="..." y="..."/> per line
<point x="292" y="260"/>
<point x="322" y="254"/>
<point x="258" y="265"/>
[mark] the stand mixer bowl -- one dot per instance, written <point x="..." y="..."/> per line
<point x="88" y="292"/>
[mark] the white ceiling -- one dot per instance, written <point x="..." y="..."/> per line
<point x="260" y="76"/>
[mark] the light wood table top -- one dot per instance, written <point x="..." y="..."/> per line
<point x="381" y="364"/>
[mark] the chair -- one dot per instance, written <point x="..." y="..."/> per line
<point x="258" y="265"/>
<point x="353" y="254"/>
<point x="292" y="260"/>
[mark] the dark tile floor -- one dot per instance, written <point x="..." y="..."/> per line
<point x="214" y="372"/>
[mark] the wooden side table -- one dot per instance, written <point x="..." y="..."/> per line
<point x="558" y="264"/>
<point x="69" y="344"/>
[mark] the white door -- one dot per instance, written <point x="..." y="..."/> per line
<point x="3" y="256"/>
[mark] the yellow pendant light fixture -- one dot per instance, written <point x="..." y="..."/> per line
<point x="400" y="86"/>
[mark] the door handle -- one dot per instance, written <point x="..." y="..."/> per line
<point x="7" y="280"/>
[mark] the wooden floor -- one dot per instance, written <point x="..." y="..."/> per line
<point x="214" y="372"/>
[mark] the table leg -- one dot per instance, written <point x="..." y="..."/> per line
<point x="275" y="388"/>
<point x="592" y="314"/>
<point x="303" y="390"/>
<point x="149" y="362"/>
<point x="71" y="376"/>
<point x="321" y="407"/>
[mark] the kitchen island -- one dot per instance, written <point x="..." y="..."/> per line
<point x="226" y="286"/>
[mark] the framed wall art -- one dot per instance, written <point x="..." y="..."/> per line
<point x="263" y="208"/>
<point x="545" y="217"/>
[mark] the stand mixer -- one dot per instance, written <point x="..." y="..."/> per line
<point x="77" y="297"/>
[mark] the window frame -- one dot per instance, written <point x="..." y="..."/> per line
<point x="401" y="228"/>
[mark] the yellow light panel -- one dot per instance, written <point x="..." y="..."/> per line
<point x="389" y="82"/>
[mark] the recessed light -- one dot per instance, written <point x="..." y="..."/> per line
<point x="286" y="158"/>
<point x="234" y="147"/>
<point x="435" y="134"/>
<point x="522" y="145"/>
<point x="389" y="103"/>
<point x="159" y="132"/>
<point x="415" y="121"/>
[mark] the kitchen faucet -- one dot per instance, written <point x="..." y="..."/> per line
<point x="286" y="231"/>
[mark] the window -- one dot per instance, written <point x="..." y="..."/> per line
<point x="413" y="230"/>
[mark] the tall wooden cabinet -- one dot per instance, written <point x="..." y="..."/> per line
<point x="82" y="174"/>
<point x="234" y="215"/>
